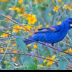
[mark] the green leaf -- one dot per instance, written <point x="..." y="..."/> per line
<point x="21" y="44"/>
<point x="17" y="20"/>
<point x="1" y="17"/>
<point x="30" y="64"/>
<point x="1" y="33"/>
<point x="62" y="64"/>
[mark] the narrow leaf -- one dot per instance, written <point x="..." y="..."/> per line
<point x="21" y="44"/>
<point x="62" y="64"/>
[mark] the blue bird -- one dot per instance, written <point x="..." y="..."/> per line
<point x="52" y="34"/>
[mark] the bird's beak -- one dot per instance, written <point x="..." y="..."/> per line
<point x="70" y="25"/>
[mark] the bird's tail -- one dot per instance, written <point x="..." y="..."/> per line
<point x="30" y="40"/>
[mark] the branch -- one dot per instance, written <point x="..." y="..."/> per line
<point x="53" y="47"/>
<point x="65" y="43"/>
<point x="16" y="22"/>
<point x="12" y="28"/>
<point x="22" y="26"/>
<point x="17" y="36"/>
<point x="29" y="55"/>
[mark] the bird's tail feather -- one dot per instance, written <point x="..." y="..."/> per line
<point x="30" y="40"/>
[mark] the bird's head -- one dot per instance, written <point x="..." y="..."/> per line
<point x="67" y="23"/>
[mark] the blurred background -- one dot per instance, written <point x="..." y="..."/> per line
<point x="33" y="14"/>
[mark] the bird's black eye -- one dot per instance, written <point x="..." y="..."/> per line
<point x="70" y="22"/>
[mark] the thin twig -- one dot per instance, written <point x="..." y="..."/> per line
<point x="29" y="55"/>
<point x="65" y="43"/>
<point x="10" y="49"/>
<point x="16" y="22"/>
<point x="3" y="38"/>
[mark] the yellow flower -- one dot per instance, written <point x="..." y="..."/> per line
<point x="20" y="1"/>
<point x="1" y="48"/>
<point x="5" y="35"/>
<point x="53" y="57"/>
<point x="47" y="25"/>
<point x="56" y="8"/>
<point x="70" y="50"/>
<point x="31" y="34"/>
<point x="35" y="46"/>
<point x="14" y="44"/>
<point x="66" y="52"/>
<point x="24" y="15"/>
<point x="15" y="58"/>
<point x="44" y="60"/>
<point x="49" y="63"/>
<point x="39" y="26"/>
<point x="31" y="19"/>
<point x="18" y="9"/>
<point x="59" y="0"/>
<point x="10" y="47"/>
<point x="66" y="7"/>
<point x="41" y="65"/>
<point x="59" y="23"/>
<point x="36" y="28"/>
<point x="70" y="5"/>
<point x="27" y="26"/>
<point x="28" y="45"/>
<point x="18" y="28"/>
<point x="4" y="0"/>
<point x="13" y="8"/>
<point x="14" y="51"/>
<point x="7" y="41"/>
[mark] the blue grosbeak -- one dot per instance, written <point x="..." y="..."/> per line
<point x="52" y="34"/>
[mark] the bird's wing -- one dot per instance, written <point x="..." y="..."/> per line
<point x="49" y="29"/>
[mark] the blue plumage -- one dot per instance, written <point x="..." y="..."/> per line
<point x="52" y="34"/>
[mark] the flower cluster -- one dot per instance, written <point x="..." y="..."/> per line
<point x="69" y="50"/>
<point x="5" y="34"/>
<point x="48" y="61"/>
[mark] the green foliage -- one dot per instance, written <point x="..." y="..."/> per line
<point x="62" y="64"/>
<point x="45" y="15"/>
<point x="30" y="64"/>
